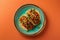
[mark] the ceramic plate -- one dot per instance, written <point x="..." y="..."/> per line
<point x="22" y="10"/>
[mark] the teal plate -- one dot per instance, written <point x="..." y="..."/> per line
<point x="22" y="10"/>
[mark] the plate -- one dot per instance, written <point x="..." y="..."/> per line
<point x="22" y="10"/>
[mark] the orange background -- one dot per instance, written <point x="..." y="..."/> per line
<point x="51" y="10"/>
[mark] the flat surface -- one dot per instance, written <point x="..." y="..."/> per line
<point x="51" y="9"/>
